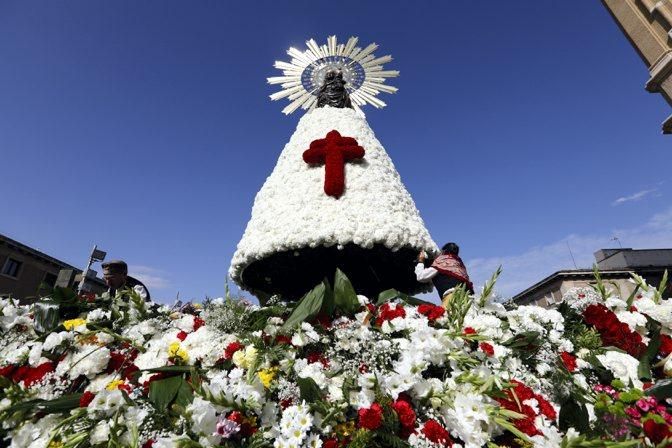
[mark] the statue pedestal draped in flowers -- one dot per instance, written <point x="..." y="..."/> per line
<point x="336" y="368"/>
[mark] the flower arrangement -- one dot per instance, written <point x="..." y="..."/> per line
<point x="335" y="369"/>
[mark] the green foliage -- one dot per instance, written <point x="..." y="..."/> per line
<point x="661" y="390"/>
<point x="309" y="390"/>
<point x="599" y="286"/>
<point x="361" y="439"/>
<point x="307" y="308"/>
<point x="163" y="392"/>
<point x="389" y="440"/>
<point x="644" y="368"/>
<point x="392" y="294"/>
<point x="345" y="297"/>
<point x="573" y="414"/>
<point x="489" y="287"/>
<point x="458" y="307"/>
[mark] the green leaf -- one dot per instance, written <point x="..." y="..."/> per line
<point x="329" y="300"/>
<point x="386" y="296"/>
<point x="661" y="390"/>
<point x="573" y="415"/>
<point x="163" y="392"/>
<point x="345" y="296"/>
<point x="307" y="308"/>
<point x="309" y="389"/>
<point x="392" y="294"/>
<point x="644" y="368"/>
<point x="185" y="395"/>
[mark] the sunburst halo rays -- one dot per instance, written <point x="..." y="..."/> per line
<point x="362" y="70"/>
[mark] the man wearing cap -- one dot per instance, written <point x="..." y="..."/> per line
<point x="115" y="274"/>
<point x="446" y="272"/>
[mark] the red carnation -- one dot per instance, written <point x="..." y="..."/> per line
<point x="36" y="374"/>
<point x="7" y="371"/>
<point x="148" y="444"/>
<point x="330" y="443"/>
<point x="656" y="432"/>
<point x="665" y="345"/>
<point x="181" y="336"/>
<point x="371" y="418"/>
<point x="405" y="412"/>
<point x="487" y="348"/>
<point x="436" y="433"/>
<point x="232" y="348"/>
<point x="569" y="361"/>
<point x="282" y="339"/>
<point x="317" y="357"/>
<point x="86" y="398"/>
<point x="432" y="312"/>
<point x="198" y="323"/>
<point x="388" y="312"/>
<point x="546" y="408"/>
<point x="468" y="330"/>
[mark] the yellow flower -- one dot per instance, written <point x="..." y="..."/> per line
<point x="175" y="351"/>
<point x="245" y="358"/>
<point x="55" y="444"/>
<point x="345" y="429"/>
<point x="114" y="384"/>
<point x="267" y="376"/>
<point x="73" y="323"/>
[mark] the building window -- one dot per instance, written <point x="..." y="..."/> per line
<point x="12" y="267"/>
<point x="50" y="279"/>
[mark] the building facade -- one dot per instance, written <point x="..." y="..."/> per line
<point x="616" y="267"/>
<point x="648" y="26"/>
<point x="24" y="270"/>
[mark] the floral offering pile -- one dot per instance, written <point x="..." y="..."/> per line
<point x="336" y="369"/>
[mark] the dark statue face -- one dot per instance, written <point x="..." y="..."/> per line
<point x="334" y="75"/>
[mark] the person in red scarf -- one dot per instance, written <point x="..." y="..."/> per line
<point x="446" y="272"/>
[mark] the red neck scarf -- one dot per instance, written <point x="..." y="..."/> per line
<point x="452" y="266"/>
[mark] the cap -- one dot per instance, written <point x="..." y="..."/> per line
<point x="115" y="267"/>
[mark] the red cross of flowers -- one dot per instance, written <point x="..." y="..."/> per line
<point x="333" y="151"/>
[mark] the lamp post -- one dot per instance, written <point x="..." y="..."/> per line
<point x="96" y="255"/>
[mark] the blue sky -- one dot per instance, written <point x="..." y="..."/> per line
<point x="146" y="128"/>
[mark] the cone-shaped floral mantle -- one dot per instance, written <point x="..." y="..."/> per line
<point x="325" y="206"/>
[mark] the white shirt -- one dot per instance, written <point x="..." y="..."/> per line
<point x="423" y="274"/>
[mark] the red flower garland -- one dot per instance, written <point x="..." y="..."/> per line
<point x="612" y="331"/>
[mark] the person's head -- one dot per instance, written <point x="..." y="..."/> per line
<point x="115" y="273"/>
<point x="450" y="249"/>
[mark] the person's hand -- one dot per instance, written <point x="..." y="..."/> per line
<point x="422" y="256"/>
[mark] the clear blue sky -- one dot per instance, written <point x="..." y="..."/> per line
<point x="146" y="128"/>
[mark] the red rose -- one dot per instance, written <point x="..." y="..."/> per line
<point x="181" y="336"/>
<point x="232" y="348"/>
<point x="405" y="412"/>
<point x="86" y="398"/>
<point x="569" y="361"/>
<point x="487" y="348"/>
<point x="656" y="432"/>
<point x="436" y="433"/>
<point x="371" y="418"/>
<point x="198" y="323"/>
